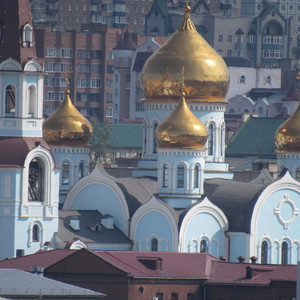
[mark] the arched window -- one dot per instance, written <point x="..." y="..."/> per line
<point x="268" y="79"/>
<point x="35" y="233"/>
<point x="298" y="174"/>
<point x="165" y="176"/>
<point x="196" y="177"/>
<point x="27" y="35"/>
<point x="154" y="244"/>
<point x="65" y="173"/>
<point x="81" y="170"/>
<point x="210" y="140"/>
<point x="154" y="139"/>
<point x="35" y="181"/>
<point x="31" y="100"/>
<point x="264" y="252"/>
<point x="10" y="101"/>
<point x="203" y="246"/>
<point x="284" y="253"/>
<point x="243" y="79"/>
<point x="180" y="176"/>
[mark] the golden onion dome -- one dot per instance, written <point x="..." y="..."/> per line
<point x="206" y="74"/>
<point x="181" y="129"/>
<point x="287" y="136"/>
<point x="67" y="125"/>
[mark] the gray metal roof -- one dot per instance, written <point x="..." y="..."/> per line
<point x="18" y="283"/>
<point x="88" y="219"/>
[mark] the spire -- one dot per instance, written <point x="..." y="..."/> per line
<point x="187" y="23"/>
<point x="16" y="34"/>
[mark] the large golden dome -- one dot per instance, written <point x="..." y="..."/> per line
<point x="67" y="125"/>
<point x="287" y="136"/>
<point x="205" y="72"/>
<point x="181" y="129"/>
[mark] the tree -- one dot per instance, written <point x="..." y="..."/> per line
<point x="100" y="143"/>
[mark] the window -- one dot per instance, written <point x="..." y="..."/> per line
<point x="154" y="139"/>
<point x="35" y="181"/>
<point x="229" y="53"/>
<point x="190" y="296"/>
<point x="27" y="35"/>
<point x="243" y="79"/>
<point x="154" y="244"/>
<point x="229" y="38"/>
<point x="10" y="101"/>
<point x="239" y="39"/>
<point x="268" y="79"/>
<point x="220" y="38"/>
<point x="251" y="39"/>
<point x="81" y="170"/>
<point x="174" y="296"/>
<point x="196" y="177"/>
<point x="284" y="253"/>
<point x="165" y="176"/>
<point x="203" y="246"/>
<point x="264" y="252"/>
<point x="65" y="173"/>
<point x="298" y="174"/>
<point x="210" y="140"/>
<point x="159" y="296"/>
<point x="83" y="82"/>
<point x="31" y="100"/>
<point x="180" y="176"/>
<point x="35" y="233"/>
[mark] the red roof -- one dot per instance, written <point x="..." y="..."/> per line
<point x="260" y="274"/>
<point x="40" y="259"/>
<point x="142" y="264"/>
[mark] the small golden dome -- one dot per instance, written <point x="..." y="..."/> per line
<point x="67" y="125"/>
<point x="287" y="136"/>
<point x="181" y="129"/>
<point x="206" y="74"/>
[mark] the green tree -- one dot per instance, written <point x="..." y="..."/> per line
<point x="100" y="143"/>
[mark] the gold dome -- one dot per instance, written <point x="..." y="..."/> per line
<point x="181" y="129"/>
<point x="287" y="136"/>
<point x="67" y="125"/>
<point x="206" y="74"/>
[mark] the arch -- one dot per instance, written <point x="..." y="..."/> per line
<point x="272" y="28"/>
<point x="193" y="246"/>
<point x="268" y="79"/>
<point x="33" y="66"/>
<point x="10" y="65"/>
<point x="45" y="160"/>
<point x="10" y="101"/>
<point x="36" y="180"/>
<point x="35" y="232"/>
<point x="203" y="245"/>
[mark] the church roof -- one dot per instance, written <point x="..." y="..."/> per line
<point x="21" y="147"/>
<point x="88" y="220"/>
<point x="255" y="138"/>
<point x="236" y="199"/>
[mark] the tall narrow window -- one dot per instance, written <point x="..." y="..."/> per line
<point x="154" y="139"/>
<point x="81" y="170"/>
<point x="264" y="252"/>
<point x="65" y="173"/>
<point x="196" y="177"/>
<point x="284" y="253"/>
<point x="31" y="100"/>
<point x="27" y="35"/>
<point x="298" y="174"/>
<point x="180" y="176"/>
<point x="35" y="181"/>
<point x="165" y="176"/>
<point x="203" y="246"/>
<point x="35" y="233"/>
<point x="154" y="244"/>
<point x="210" y="141"/>
<point x="10" y="101"/>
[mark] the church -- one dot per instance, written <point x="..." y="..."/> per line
<point x="182" y="198"/>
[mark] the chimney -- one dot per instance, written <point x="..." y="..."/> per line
<point x="241" y="259"/>
<point x="108" y="221"/>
